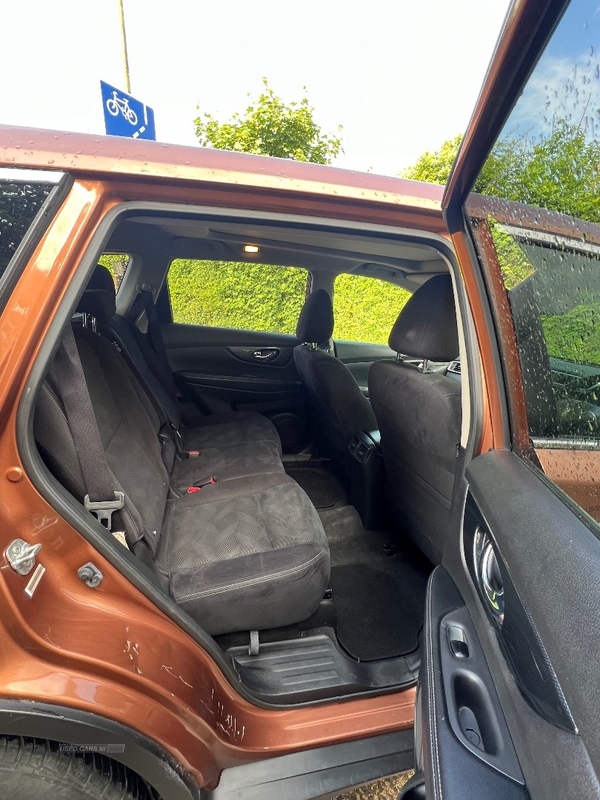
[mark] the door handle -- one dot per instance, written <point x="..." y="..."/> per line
<point x="266" y="354"/>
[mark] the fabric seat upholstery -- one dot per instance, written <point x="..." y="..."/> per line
<point x="213" y="430"/>
<point x="419" y="416"/>
<point x="231" y="445"/>
<point x="340" y="409"/>
<point x="250" y="552"/>
<point x="247" y="552"/>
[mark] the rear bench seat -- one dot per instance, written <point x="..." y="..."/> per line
<point x="246" y="552"/>
<point x="219" y="438"/>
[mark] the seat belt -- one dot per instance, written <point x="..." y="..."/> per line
<point x="156" y="340"/>
<point x="118" y="331"/>
<point x="102" y="499"/>
<point x="146" y="299"/>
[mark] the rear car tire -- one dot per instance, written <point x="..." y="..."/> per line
<point x="33" y="769"/>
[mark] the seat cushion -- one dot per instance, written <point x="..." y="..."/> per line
<point x="245" y="555"/>
<point x="227" y="463"/>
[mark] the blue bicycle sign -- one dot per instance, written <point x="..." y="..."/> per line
<point x="116" y="105"/>
<point x="126" y="116"/>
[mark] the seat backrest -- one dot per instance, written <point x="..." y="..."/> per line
<point x="127" y="419"/>
<point x="419" y="416"/>
<point x="339" y="406"/>
<point x="98" y="301"/>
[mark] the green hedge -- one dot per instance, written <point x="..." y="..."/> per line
<point x="268" y="298"/>
<point x="366" y="308"/>
<point x="116" y="264"/>
<point x="574" y="336"/>
<point x="230" y="295"/>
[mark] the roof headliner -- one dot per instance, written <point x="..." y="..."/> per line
<point x="395" y="258"/>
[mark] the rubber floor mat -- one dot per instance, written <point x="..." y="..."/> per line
<point x="379" y="614"/>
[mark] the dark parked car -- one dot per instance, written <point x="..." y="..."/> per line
<point x="251" y="546"/>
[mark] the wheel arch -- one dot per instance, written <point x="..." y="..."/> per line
<point x="79" y="728"/>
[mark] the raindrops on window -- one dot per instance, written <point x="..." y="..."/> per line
<point x="542" y="227"/>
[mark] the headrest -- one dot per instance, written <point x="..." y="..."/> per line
<point x="315" y="323"/>
<point x="426" y="326"/>
<point x="99" y="296"/>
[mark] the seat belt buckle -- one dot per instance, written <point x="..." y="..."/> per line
<point x="103" y="509"/>
<point x="196" y="487"/>
<point x="192" y="453"/>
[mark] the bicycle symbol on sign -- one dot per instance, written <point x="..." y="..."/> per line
<point x="116" y="105"/>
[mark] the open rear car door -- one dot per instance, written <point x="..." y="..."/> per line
<point x="509" y="695"/>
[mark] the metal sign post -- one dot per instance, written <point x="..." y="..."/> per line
<point x="124" y="44"/>
<point x="126" y="116"/>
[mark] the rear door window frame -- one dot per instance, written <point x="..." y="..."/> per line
<point x="60" y="184"/>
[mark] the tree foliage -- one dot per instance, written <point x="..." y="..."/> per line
<point x="270" y="127"/>
<point x="435" y="167"/>
<point x="559" y="171"/>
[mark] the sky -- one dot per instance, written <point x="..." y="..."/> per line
<point x="400" y="76"/>
<point x="565" y="85"/>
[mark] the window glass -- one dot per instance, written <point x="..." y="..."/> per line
<point x="225" y="294"/>
<point x="540" y="225"/>
<point x="20" y="202"/>
<point x="365" y="308"/>
<point x="553" y="285"/>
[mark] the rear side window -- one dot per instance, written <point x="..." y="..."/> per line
<point x="228" y="294"/>
<point x="21" y="198"/>
<point x="116" y="264"/>
<point x="365" y="308"/>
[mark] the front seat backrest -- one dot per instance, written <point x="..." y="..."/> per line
<point x="419" y="416"/>
<point x="340" y="408"/>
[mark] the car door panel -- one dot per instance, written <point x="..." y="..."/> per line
<point x="276" y="356"/>
<point x="538" y="658"/>
<point x="239" y="392"/>
<point x="551" y="552"/>
<point x="457" y="700"/>
<point x="224" y="369"/>
<point x="178" y="336"/>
